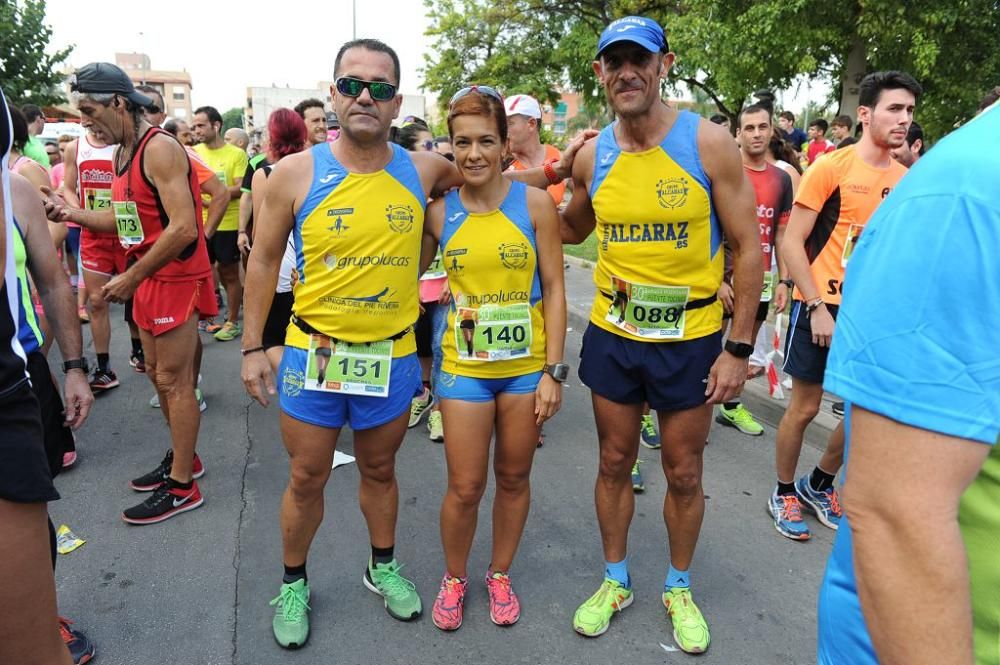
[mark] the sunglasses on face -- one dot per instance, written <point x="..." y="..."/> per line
<point x="428" y="145"/>
<point x="380" y="91"/>
<point x="484" y="89"/>
<point x="152" y="109"/>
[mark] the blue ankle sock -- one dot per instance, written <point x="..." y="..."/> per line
<point x="677" y="578"/>
<point x="618" y="572"/>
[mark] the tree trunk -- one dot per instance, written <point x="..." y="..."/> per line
<point x="854" y="71"/>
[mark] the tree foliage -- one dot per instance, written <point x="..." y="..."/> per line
<point x="28" y="74"/>
<point x="232" y="118"/>
<point x="726" y="49"/>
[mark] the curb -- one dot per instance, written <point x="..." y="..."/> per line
<point x="756" y="395"/>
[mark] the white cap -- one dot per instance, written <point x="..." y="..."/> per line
<point x="523" y="105"/>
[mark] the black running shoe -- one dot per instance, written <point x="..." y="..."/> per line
<point x="838" y="409"/>
<point x="158" y="476"/>
<point x="80" y="648"/>
<point x="103" y="379"/>
<point x="166" y="502"/>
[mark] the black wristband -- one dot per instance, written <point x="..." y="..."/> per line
<point x="75" y="363"/>
<point x="246" y="352"/>
<point x="787" y="282"/>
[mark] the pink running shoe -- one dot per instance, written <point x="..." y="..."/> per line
<point x="447" y="612"/>
<point x="505" y="609"/>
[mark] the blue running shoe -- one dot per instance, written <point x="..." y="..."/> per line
<point x="649" y="436"/>
<point x="787" y="514"/>
<point x="637" y="485"/>
<point x="825" y="505"/>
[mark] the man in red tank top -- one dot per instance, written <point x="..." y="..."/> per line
<point x="155" y="210"/>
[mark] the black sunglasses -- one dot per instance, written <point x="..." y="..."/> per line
<point x="352" y="87"/>
<point x="152" y="109"/>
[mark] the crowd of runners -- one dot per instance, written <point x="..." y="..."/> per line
<point x="373" y="282"/>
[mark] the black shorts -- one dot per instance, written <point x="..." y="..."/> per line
<point x="424" y="331"/>
<point x="761" y="316"/>
<point x="58" y="437"/>
<point x="671" y="376"/>
<point x="278" y="318"/>
<point x="222" y="248"/>
<point x="25" y="476"/>
<point x="803" y="359"/>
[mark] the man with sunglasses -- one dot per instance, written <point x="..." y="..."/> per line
<point x="155" y="113"/>
<point x="356" y="207"/>
<point x="661" y="188"/>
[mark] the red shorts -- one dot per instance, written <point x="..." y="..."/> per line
<point x="159" y="307"/>
<point x="102" y="253"/>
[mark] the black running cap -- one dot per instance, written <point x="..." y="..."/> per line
<point x="105" y="78"/>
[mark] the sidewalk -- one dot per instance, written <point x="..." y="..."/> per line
<point x="579" y="297"/>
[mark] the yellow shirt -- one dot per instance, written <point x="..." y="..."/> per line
<point x="229" y="163"/>
<point x="357" y="246"/>
<point x="659" y="241"/>
<point x="496" y="326"/>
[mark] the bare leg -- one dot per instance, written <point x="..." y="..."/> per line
<point x="517" y="439"/>
<point x="618" y="435"/>
<point x="171" y="367"/>
<point x="684" y="434"/>
<point x="230" y="275"/>
<point x="378" y="494"/>
<point x="467" y="455"/>
<point x="28" y="630"/>
<point x="803" y="407"/>
<point x="100" y="320"/>
<point x="310" y="454"/>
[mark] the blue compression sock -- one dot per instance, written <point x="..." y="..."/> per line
<point x="618" y="572"/>
<point x="677" y="579"/>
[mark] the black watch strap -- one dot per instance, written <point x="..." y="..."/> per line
<point x="739" y="349"/>
<point x="787" y="282"/>
<point x="75" y="363"/>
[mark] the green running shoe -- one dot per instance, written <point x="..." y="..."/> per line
<point x="593" y="617"/>
<point x="637" y="485"/>
<point x="690" y="628"/>
<point x="401" y="599"/>
<point x="649" y="436"/>
<point x="418" y="405"/>
<point x="739" y="418"/>
<point x="291" y="615"/>
<point x="435" y="427"/>
<point x="229" y="332"/>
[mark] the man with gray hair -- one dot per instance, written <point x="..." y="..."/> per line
<point x="169" y="275"/>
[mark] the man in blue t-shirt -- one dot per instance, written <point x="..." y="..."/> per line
<point x="916" y="358"/>
<point x="791" y="133"/>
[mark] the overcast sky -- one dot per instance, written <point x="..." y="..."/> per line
<point x="227" y="46"/>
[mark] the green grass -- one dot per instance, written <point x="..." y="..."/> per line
<point x="585" y="250"/>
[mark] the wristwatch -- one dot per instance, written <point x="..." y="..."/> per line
<point x="787" y="282"/>
<point x="558" y="371"/>
<point x="739" y="349"/>
<point x="75" y="363"/>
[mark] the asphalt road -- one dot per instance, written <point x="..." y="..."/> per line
<point x="195" y="589"/>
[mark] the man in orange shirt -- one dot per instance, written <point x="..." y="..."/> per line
<point x="524" y="116"/>
<point x="834" y="201"/>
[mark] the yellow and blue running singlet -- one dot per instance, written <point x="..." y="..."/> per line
<point x="357" y="245"/>
<point x="659" y="241"/>
<point x="495" y="323"/>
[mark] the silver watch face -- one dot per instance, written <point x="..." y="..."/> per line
<point x="559" y="371"/>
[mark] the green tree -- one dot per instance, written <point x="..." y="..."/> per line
<point x="726" y="49"/>
<point x="27" y="72"/>
<point x="232" y="118"/>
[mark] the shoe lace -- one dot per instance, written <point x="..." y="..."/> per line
<point x="499" y="587"/>
<point x="681" y="605"/>
<point x="648" y="428"/>
<point x="64" y="631"/>
<point x="452" y="588"/>
<point x="635" y="467"/>
<point x="292" y="602"/>
<point x="434" y="419"/>
<point x="607" y="595"/>
<point x="834" y="499"/>
<point x="743" y="416"/>
<point x="791" y="509"/>
<point x="391" y="582"/>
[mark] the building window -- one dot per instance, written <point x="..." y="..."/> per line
<point x="179" y="93"/>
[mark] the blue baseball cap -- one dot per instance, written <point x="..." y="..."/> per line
<point x="643" y="31"/>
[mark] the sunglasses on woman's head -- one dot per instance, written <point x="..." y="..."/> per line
<point x="485" y="89"/>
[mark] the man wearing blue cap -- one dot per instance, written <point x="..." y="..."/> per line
<point x="661" y="188"/>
